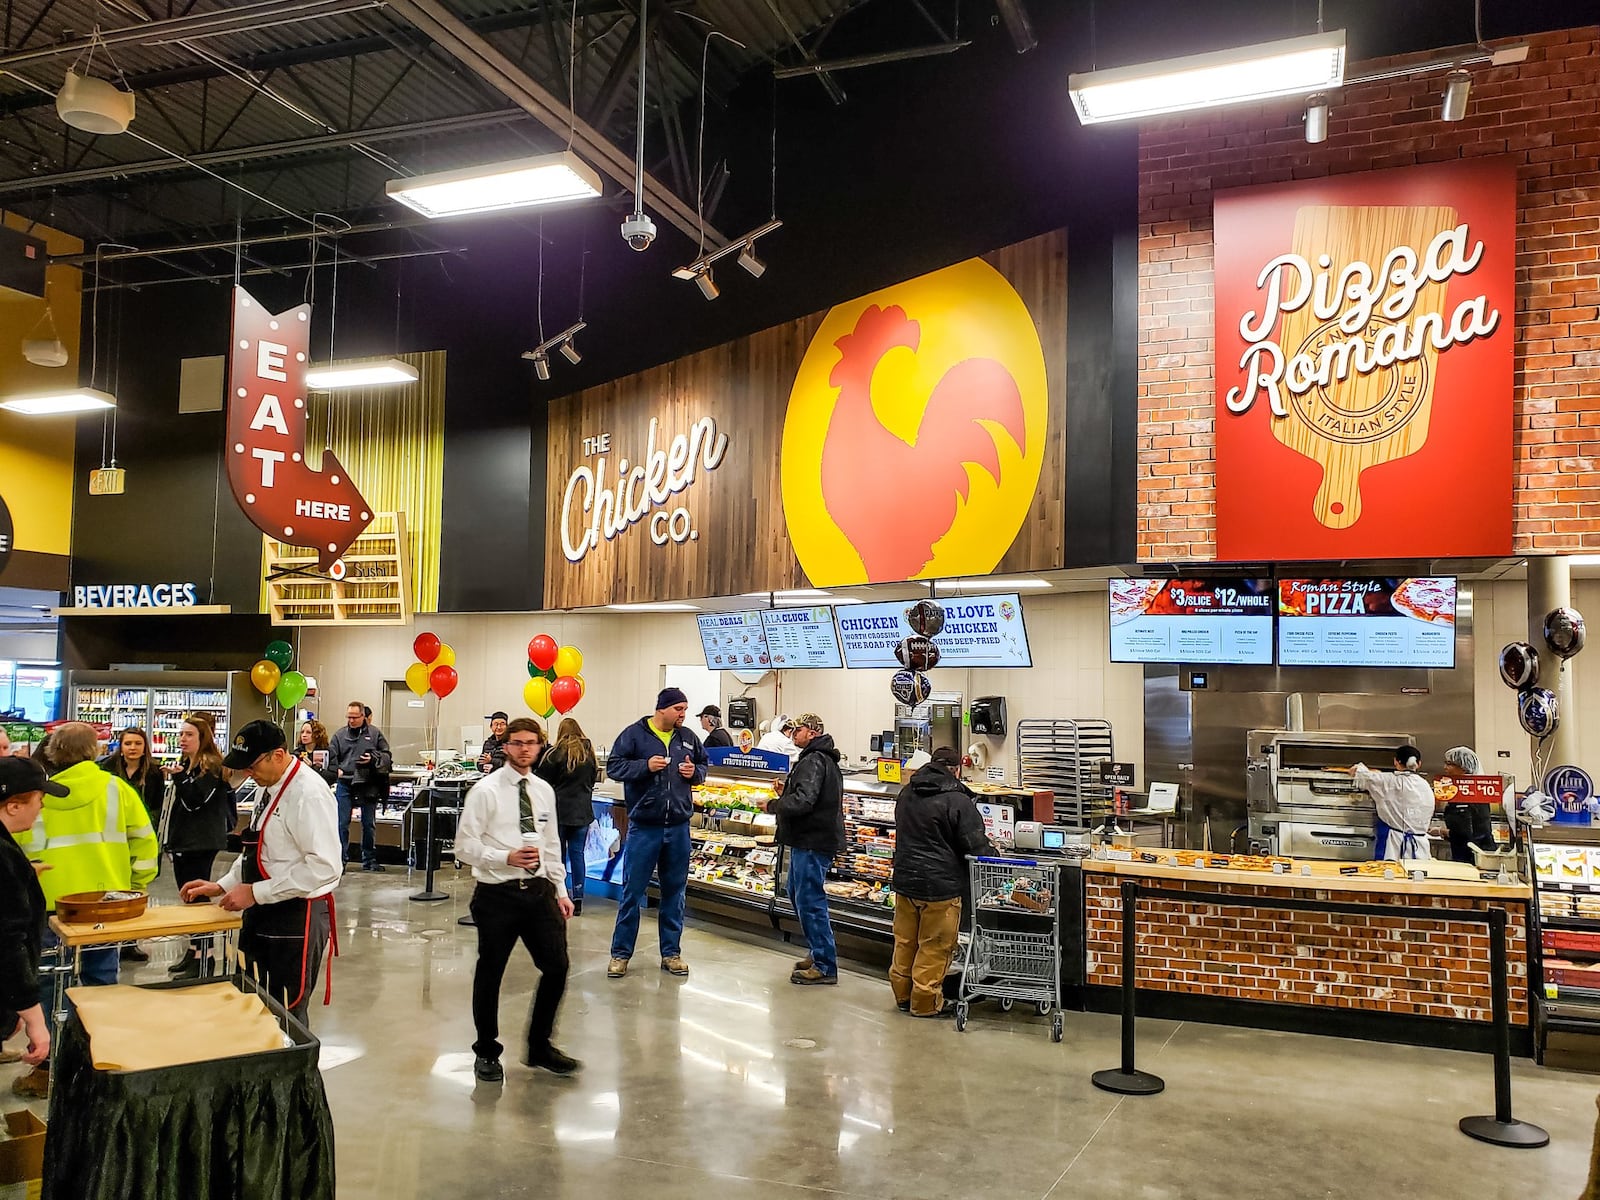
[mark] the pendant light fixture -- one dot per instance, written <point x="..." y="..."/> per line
<point x="91" y="104"/>
<point x="49" y="351"/>
<point x="43" y="346"/>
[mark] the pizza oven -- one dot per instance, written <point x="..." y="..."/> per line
<point x="1300" y="796"/>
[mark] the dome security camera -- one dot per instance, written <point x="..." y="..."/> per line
<point x="639" y="230"/>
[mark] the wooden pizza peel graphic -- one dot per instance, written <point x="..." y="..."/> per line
<point x="1362" y="421"/>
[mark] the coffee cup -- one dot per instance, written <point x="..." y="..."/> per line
<point x="531" y="840"/>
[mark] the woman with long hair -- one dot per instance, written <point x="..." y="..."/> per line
<point x="570" y="767"/>
<point x="203" y="814"/>
<point x="131" y="761"/>
<point x="312" y="740"/>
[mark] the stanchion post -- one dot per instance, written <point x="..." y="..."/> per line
<point x="1128" y="1080"/>
<point x="1502" y="1129"/>
<point x="428" y="894"/>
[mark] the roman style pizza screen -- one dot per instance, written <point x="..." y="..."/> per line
<point x="1370" y="622"/>
<point x="734" y="641"/>
<point x="1201" y="621"/>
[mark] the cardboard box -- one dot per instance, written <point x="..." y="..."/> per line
<point x="22" y="1157"/>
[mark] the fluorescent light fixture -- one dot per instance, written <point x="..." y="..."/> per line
<point x="793" y="594"/>
<point x="653" y="607"/>
<point x="994" y="585"/>
<point x="1458" y="85"/>
<point x="367" y="372"/>
<point x="516" y="183"/>
<point x="1292" y="67"/>
<point x="1583" y="560"/>
<point x="1317" y="119"/>
<point x="50" y="404"/>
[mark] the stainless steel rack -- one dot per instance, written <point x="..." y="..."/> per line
<point x="1062" y="755"/>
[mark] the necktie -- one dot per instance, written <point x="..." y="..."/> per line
<point x="525" y="806"/>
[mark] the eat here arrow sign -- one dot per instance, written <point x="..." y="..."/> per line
<point x="277" y="489"/>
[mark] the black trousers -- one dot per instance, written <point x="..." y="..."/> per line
<point x="505" y="914"/>
<point x="1468" y="825"/>
<point x="188" y="865"/>
<point x="285" y="942"/>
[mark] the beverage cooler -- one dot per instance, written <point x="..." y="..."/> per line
<point x="157" y="702"/>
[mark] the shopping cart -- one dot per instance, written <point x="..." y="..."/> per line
<point x="1014" y="952"/>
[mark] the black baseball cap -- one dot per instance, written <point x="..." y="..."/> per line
<point x="710" y="710"/>
<point x="497" y="716"/>
<point x="251" y="742"/>
<point x="19" y="776"/>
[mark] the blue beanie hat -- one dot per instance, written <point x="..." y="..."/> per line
<point x="670" y="696"/>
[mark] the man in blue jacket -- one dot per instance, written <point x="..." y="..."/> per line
<point x="658" y="762"/>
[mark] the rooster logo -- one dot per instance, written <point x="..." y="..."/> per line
<point x="915" y="432"/>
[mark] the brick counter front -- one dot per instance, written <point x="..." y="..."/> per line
<point x="1399" y="966"/>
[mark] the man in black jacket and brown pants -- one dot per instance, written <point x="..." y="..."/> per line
<point x="810" y="808"/>
<point x="936" y="825"/>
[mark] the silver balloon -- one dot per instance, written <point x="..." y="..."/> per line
<point x="1563" y="632"/>
<point x="1538" y="712"/>
<point x="925" y="618"/>
<point x="1519" y="665"/>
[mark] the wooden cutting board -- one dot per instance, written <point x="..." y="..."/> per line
<point x="1365" y="420"/>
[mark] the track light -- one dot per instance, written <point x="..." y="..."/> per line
<point x="541" y="365"/>
<point x="570" y="352"/>
<point x="707" y="285"/>
<point x="1317" y="118"/>
<point x="539" y="356"/>
<point x="749" y="261"/>
<point x="1456" y="88"/>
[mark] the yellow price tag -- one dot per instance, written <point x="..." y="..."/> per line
<point x="888" y="770"/>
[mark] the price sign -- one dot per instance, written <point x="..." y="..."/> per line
<point x="888" y="770"/>
<point x="714" y="849"/>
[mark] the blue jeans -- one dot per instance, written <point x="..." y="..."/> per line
<point x="96" y="968"/>
<point x="665" y="851"/>
<point x="369" y="817"/>
<point x="807" y="871"/>
<point x="572" y="838"/>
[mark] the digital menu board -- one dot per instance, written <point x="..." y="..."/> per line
<point x="1367" y="622"/>
<point x="801" y="637"/>
<point x="734" y="641"/>
<point x="979" y="631"/>
<point x="1224" y="621"/>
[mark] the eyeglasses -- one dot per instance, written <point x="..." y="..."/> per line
<point x="524" y="743"/>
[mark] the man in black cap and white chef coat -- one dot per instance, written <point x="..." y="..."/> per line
<point x="283" y="879"/>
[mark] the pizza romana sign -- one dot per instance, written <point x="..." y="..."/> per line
<point x="1364" y="329"/>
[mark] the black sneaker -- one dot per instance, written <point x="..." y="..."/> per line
<point x="552" y="1060"/>
<point x="488" y="1069"/>
<point x="373" y="867"/>
<point x="133" y="954"/>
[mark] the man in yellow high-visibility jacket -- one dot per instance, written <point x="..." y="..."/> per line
<point x="97" y="837"/>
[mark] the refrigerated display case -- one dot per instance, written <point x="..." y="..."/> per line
<point x="734" y="855"/>
<point x="860" y="895"/>
<point x="1564" y="941"/>
<point x="157" y="702"/>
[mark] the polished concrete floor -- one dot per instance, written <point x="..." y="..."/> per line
<point x="734" y="1083"/>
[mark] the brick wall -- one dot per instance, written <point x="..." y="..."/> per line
<point x="1544" y="113"/>
<point x="1400" y="966"/>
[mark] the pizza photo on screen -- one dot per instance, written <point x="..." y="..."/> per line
<point x="1131" y="598"/>
<point x="1425" y="599"/>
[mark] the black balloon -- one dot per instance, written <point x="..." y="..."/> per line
<point x="1519" y="665"/>
<point x="917" y="654"/>
<point x="925" y="618"/>
<point x="1538" y="711"/>
<point x="910" y="687"/>
<point x="1563" y="632"/>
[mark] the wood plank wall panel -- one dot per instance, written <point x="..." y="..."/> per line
<point x="742" y="544"/>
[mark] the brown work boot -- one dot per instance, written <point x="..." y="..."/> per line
<point x="812" y="976"/>
<point x="617" y="968"/>
<point x="675" y="966"/>
<point x="804" y="964"/>
<point x="35" y="1085"/>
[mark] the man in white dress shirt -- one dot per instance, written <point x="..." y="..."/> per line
<point x="509" y="836"/>
<point x="287" y="869"/>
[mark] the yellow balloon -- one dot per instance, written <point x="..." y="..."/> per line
<point x="536" y="695"/>
<point x="446" y="658"/>
<point x="264" y="677"/>
<point x="569" y="661"/>
<point x="417" y="678"/>
<point x="583" y="688"/>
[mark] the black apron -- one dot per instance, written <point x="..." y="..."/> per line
<point x="285" y="939"/>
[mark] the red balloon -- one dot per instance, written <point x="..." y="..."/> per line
<point x="443" y="680"/>
<point x="565" y="694"/>
<point x="542" y="651"/>
<point x="426" y="647"/>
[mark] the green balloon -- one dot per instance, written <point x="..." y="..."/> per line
<point x="533" y="671"/>
<point x="551" y="676"/>
<point x="279" y="654"/>
<point x="291" y="689"/>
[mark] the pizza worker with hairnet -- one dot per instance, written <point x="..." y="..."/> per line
<point x="1468" y="825"/>
<point x="1404" y="802"/>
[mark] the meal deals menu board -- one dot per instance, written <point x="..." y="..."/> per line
<point x="801" y="637"/>
<point x="734" y="641"/>
<point x="1367" y="622"/>
<point x="979" y="631"/>
<point x="1192" y="620"/>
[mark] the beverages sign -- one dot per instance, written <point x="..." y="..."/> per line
<point x="1364" y="330"/>
<point x="278" y="489"/>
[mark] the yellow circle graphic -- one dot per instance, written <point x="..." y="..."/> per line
<point x="915" y="431"/>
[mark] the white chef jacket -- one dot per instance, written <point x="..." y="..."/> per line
<point x="1404" y="802"/>
<point x="301" y="849"/>
<point x="490" y="828"/>
<point x="778" y="744"/>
